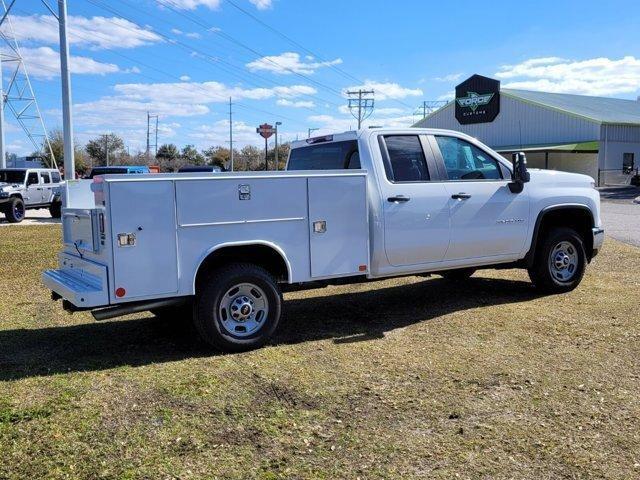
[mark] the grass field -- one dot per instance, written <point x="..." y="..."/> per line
<point x="406" y="378"/>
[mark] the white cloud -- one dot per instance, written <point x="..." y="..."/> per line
<point x="289" y="62"/>
<point x="44" y="63"/>
<point x="596" y="76"/>
<point x="205" y="92"/>
<point x="98" y="33"/>
<point x="384" y="91"/>
<point x="189" y="4"/>
<point x="296" y="104"/>
<point x="452" y="77"/>
<point x="262" y="4"/>
<point x="185" y="78"/>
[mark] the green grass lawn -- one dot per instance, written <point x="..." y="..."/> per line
<point x="406" y="378"/>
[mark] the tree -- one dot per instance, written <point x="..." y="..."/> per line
<point x="56" y="139"/>
<point x="250" y="158"/>
<point x="220" y="156"/>
<point x="191" y="156"/>
<point x="98" y="147"/>
<point x="167" y="157"/>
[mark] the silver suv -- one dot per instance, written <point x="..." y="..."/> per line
<point x="29" y="188"/>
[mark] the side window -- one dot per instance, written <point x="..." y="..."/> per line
<point x="55" y="177"/>
<point x="32" y="179"/>
<point x="44" y="176"/>
<point x="323" y="156"/>
<point x="464" y="161"/>
<point x="353" y="163"/>
<point x="406" y="161"/>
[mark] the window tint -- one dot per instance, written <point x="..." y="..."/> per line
<point x="464" y="161"/>
<point x="325" y="156"/>
<point x="55" y="177"/>
<point x="32" y="179"/>
<point x="44" y="176"/>
<point x="406" y="159"/>
<point x="354" y="161"/>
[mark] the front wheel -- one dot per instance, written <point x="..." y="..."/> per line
<point x="238" y="308"/>
<point x="15" y="210"/>
<point x="55" y="209"/>
<point x="560" y="261"/>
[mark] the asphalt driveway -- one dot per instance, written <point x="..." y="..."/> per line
<point x="620" y="216"/>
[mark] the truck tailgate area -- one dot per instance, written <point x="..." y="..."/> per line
<point x="79" y="281"/>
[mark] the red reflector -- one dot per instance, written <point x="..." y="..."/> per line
<point x="362" y="268"/>
<point x="120" y="292"/>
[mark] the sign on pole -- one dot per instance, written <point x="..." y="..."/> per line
<point x="265" y="130"/>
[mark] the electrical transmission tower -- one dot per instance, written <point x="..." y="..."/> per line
<point x="361" y="104"/>
<point x="18" y="96"/>
<point x="429" y="106"/>
<point x="149" y="144"/>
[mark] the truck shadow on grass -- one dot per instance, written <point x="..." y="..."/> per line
<point x="342" y="317"/>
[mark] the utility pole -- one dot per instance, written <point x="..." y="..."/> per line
<point x="3" y="154"/>
<point x="276" y="151"/>
<point x="230" y="134"/>
<point x="149" y="117"/>
<point x="429" y="106"/>
<point x="310" y="131"/>
<point x="361" y="107"/>
<point x="67" y="120"/>
<point x="106" y="148"/>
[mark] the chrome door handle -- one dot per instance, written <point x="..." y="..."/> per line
<point x="461" y="196"/>
<point x="398" y="199"/>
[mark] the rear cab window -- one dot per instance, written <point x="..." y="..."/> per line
<point x="325" y="156"/>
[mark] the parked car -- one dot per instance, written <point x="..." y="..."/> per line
<point x="22" y="189"/>
<point x="118" y="169"/>
<point x="352" y="207"/>
<point x="199" y="168"/>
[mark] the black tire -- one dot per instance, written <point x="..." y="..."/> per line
<point x="458" y="275"/>
<point x="548" y="278"/>
<point x="226" y="333"/>
<point x="15" y="211"/>
<point x="55" y="209"/>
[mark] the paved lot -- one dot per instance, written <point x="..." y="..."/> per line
<point x="622" y="221"/>
<point x="34" y="217"/>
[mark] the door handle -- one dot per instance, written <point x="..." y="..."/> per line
<point x="38" y="188"/>
<point x="461" y="196"/>
<point x="398" y="199"/>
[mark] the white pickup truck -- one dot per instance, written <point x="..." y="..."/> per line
<point x="351" y="207"/>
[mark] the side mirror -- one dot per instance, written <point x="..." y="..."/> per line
<point x="520" y="174"/>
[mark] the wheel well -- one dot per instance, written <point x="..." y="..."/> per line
<point x="579" y="219"/>
<point x="262" y="255"/>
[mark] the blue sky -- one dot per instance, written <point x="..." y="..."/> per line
<point x="182" y="59"/>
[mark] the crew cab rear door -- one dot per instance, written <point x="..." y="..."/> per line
<point x="415" y="202"/>
<point x="487" y="220"/>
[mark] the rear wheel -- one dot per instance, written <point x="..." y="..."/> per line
<point x="238" y="308"/>
<point x="55" y="209"/>
<point x="15" y="210"/>
<point x="560" y="261"/>
<point x="458" y="275"/>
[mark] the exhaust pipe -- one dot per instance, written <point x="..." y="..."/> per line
<point x="136" y="307"/>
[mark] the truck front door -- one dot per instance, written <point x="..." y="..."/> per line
<point x="415" y="203"/>
<point x="34" y="189"/>
<point x="487" y="220"/>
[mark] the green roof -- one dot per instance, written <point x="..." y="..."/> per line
<point x="599" y="109"/>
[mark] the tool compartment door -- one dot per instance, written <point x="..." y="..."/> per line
<point x="148" y="266"/>
<point x="338" y="226"/>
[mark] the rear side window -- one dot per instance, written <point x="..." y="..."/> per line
<point x="464" y="161"/>
<point x="406" y="160"/>
<point x="55" y="177"/>
<point x="44" y="176"/>
<point x="325" y="156"/>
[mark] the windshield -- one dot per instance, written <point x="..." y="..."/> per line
<point x="107" y="171"/>
<point x="12" y="176"/>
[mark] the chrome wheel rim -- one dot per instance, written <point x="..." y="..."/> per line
<point x="243" y="310"/>
<point x="563" y="261"/>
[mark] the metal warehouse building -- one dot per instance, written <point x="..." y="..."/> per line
<point x="593" y="135"/>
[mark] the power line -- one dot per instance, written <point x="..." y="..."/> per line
<point x="361" y="104"/>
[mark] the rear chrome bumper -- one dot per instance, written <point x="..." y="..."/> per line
<point x="598" y="240"/>
<point x="79" y="281"/>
